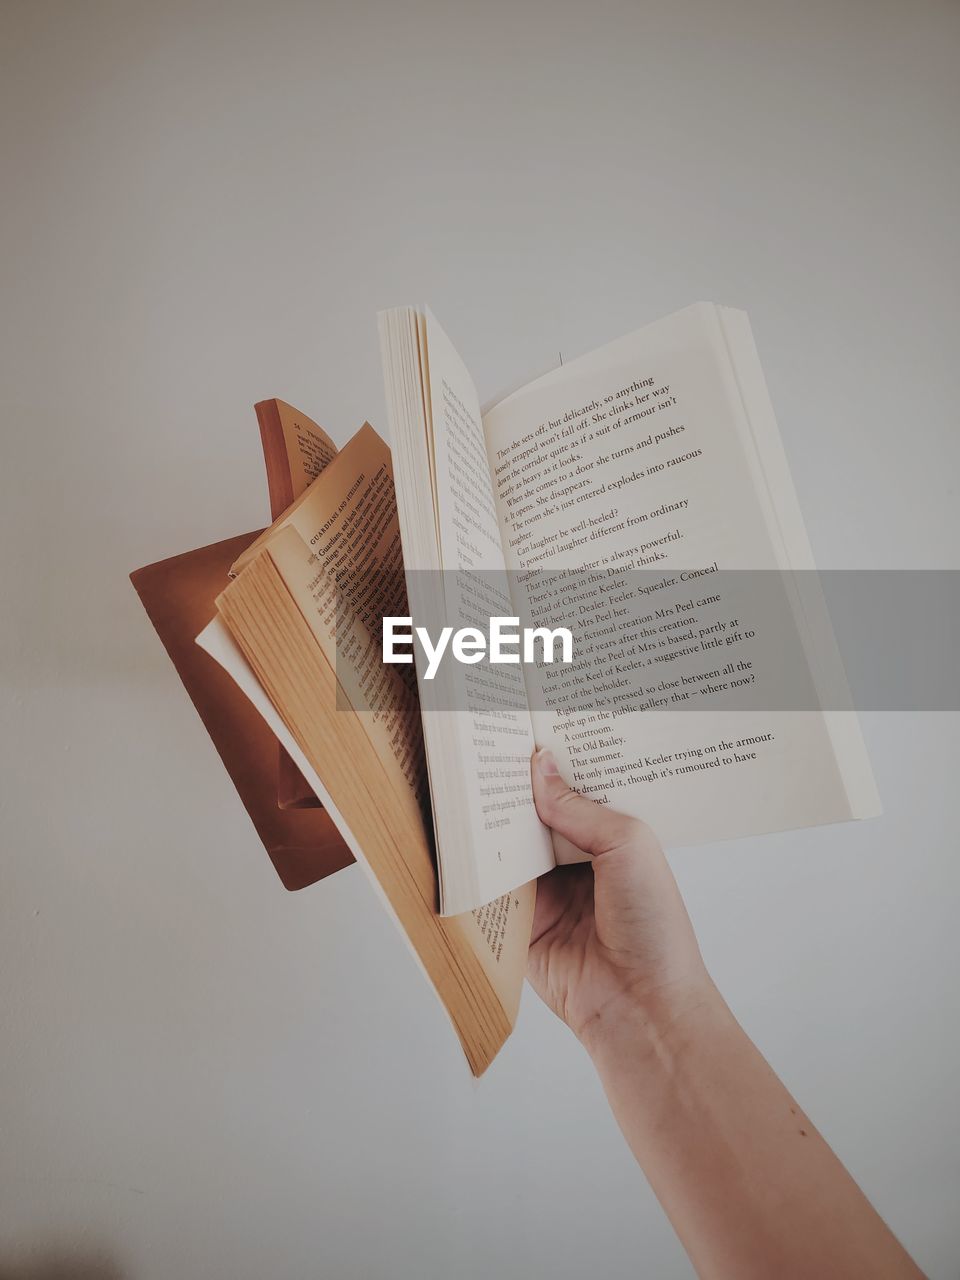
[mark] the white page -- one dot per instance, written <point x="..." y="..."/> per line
<point x="786" y="519"/>
<point x="489" y="838"/>
<point x="674" y="490"/>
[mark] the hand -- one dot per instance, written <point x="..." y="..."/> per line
<point x="611" y="938"/>
<point x="751" y="1187"/>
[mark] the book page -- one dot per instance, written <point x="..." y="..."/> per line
<point x="301" y="453"/>
<point x="497" y="938"/>
<point x="309" y="448"/>
<point x="338" y="552"/>
<point x="295" y="450"/>
<point x="484" y="706"/>
<point x="628" y="493"/>
<point x="345" y="570"/>
<point x="786" y="520"/>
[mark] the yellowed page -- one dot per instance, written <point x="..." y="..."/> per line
<point x="304" y="514"/>
<point x="346" y="531"/>
<point x="375" y="694"/>
<point x="475" y="965"/>
<point x="339" y="549"/>
<point x="309" y="449"/>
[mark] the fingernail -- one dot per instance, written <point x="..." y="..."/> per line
<point x="546" y="763"/>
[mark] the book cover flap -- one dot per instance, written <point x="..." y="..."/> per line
<point x="178" y="595"/>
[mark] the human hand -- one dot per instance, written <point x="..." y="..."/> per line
<point x="611" y="938"/>
<point x="751" y="1187"/>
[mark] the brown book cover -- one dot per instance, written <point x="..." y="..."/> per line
<point x="178" y="595"/>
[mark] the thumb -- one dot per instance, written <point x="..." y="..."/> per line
<point x="591" y="827"/>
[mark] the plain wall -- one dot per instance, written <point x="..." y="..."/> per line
<point x="205" y="204"/>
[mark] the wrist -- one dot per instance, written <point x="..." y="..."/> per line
<point x="656" y="1024"/>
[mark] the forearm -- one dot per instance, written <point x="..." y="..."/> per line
<point x="750" y="1186"/>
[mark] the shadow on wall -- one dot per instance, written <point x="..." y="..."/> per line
<point x="60" y="1264"/>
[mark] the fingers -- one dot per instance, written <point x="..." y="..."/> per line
<point x="591" y="827"/>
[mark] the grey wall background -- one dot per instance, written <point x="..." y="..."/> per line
<point x="204" y="204"/>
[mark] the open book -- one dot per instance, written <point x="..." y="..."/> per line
<point x="371" y="805"/>
<point x="298" y="630"/>
<point x="640" y="494"/>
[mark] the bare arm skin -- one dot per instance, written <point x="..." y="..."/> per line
<point x="752" y="1189"/>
